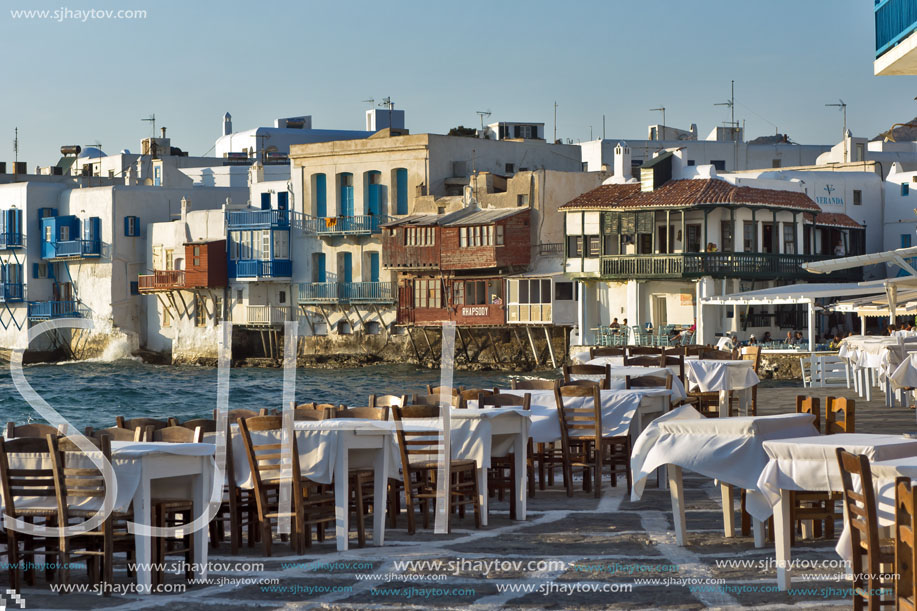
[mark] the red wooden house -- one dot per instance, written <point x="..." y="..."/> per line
<point x="205" y="267"/>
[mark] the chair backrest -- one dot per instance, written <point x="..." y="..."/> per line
<point x="426" y="443"/>
<point x="207" y="425"/>
<point x="115" y="433"/>
<point x="264" y="456"/>
<point x="240" y="412"/>
<point x="713" y="354"/>
<point x="648" y="381"/>
<point x="366" y="413"/>
<point x="602" y="372"/>
<point x="677" y="360"/>
<point x="174" y="434"/>
<point x="577" y="417"/>
<point x="432" y="400"/>
<point x="693" y="349"/>
<point x="644" y="360"/>
<point x="24" y="482"/>
<point x="144" y="423"/>
<point x="809" y="405"/>
<point x="905" y="543"/>
<point x="387" y="400"/>
<point x="752" y="353"/>
<point x="535" y="384"/>
<point x="473" y="394"/>
<point x="595" y="353"/>
<point x="862" y="518"/>
<point x="319" y="412"/>
<point x="839" y="415"/>
<point x="644" y="350"/>
<point x="504" y="399"/>
<point x="435" y="390"/>
<point x="32" y="429"/>
<point x="76" y="480"/>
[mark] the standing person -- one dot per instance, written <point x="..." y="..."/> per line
<point x="766" y="338"/>
<point x="839" y="249"/>
<point x="614" y="324"/>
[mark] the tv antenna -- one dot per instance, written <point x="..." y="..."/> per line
<point x="662" y="109"/>
<point x="151" y="119"/>
<point x="843" y="108"/>
<point x="731" y="103"/>
<point x="387" y="103"/>
<point x="370" y="101"/>
<point x="482" y="114"/>
<point x="16" y="145"/>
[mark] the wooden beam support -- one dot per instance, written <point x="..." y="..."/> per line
<point x="528" y="332"/>
<point x="458" y="331"/>
<point x="547" y="336"/>
<point x="325" y="316"/>
<point x="414" y="344"/>
<point x="493" y="346"/>
<point x="429" y="345"/>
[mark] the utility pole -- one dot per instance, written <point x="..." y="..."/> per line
<point x="843" y="107"/>
<point x="151" y="119"/>
<point x="16" y="146"/>
<point x="662" y="109"/>
<point x="555" y="120"/>
<point x="732" y="123"/>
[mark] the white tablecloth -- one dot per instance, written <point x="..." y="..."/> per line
<point x="727" y="449"/>
<point x="904" y="374"/>
<point x="126" y="457"/>
<point x="708" y="375"/>
<point x="618" y="407"/>
<point x="619" y="371"/>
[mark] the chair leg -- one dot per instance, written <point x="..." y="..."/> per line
<point x="361" y="515"/>
<point x="476" y="499"/>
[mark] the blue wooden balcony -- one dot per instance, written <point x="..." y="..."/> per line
<point x="366" y="224"/>
<point x="311" y="293"/>
<point x="46" y="310"/>
<point x="71" y="249"/>
<point x="276" y="268"/>
<point x="258" y="219"/>
<point x="895" y="21"/>
<point x="11" y="240"/>
<point x="11" y="292"/>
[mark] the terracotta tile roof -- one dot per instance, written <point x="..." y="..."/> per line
<point x="696" y="192"/>
<point x="836" y="220"/>
<point x="604" y="196"/>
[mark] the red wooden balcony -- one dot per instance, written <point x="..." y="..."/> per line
<point x="161" y="280"/>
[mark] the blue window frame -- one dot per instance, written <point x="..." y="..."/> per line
<point x="374" y="267"/>
<point x="132" y="226"/>
<point x="318" y="265"/>
<point x="905" y="189"/>
<point x="321" y="196"/>
<point x="905" y="240"/>
<point x="345" y="207"/>
<point x="283" y="200"/>
<point x="345" y="274"/>
<point x="401" y="191"/>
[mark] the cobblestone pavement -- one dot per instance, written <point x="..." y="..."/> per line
<point x="575" y="552"/>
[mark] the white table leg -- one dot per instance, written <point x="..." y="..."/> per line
<point x="202" y="485"/>
<point x="757" y="528"/>
<point x="729" y="524"/>
<point x="481" y="472"/>
<point x="380" y="490"/>
<point x="341" y="496"/>
<point x="724" y="404"/>
<point x="867" y="375"/>
<point x="143" y="543"/>
<point x="677" y="492"/>
<point x="782" y="526"/>
<point x="520" y="448"/>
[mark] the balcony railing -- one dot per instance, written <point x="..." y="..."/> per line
<point x="263" y="315"/>
<point x="40" y="310"/>
<point x="71" y="249"/>
<point x="276" y="268"/>
<point x="11" y="291"/>
<point x="161" y="280"/>
<point x="366" y="224"/>
<point x="11" y="239"/>
<point x="258" y="218"/>
<point x="717" y="265"/>
<point x="895" y="20"/>
<point x="346" y="292"/>
<point x="550" y="249"/>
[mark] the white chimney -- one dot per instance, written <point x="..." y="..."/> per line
<point x="622" y="171"/>
<point x="227" y="124"/>
<point x="185" y="205"/>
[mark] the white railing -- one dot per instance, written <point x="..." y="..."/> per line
<point x="266" y="315"/>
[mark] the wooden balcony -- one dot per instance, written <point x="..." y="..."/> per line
<point x="751" y="266"/>
<point x="262" y="316"/>
<point x="161" y="280"/>
<point x="46" y="310"/>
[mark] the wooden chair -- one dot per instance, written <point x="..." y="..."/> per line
<point x="863" y="524"/>
<point x="839" y="415"/>
<point x="29" y="495"/>
<point x="649" y="381"/>
<point x="712" y="354"/>
<point x="238" y="504"/>
<point x="361" y="480"/>
<point x="387" y="400"/>
<point x="435" y="390"/>
<point x="603" y="372"/>
<point x="675" y="360"/>
<point x="207" y="425"/>
<point x="32" y="429"/>
<point x="548" y="456"/>
<point x="430" y="400"/>
<point x="649" y="360"/>
<point x="644" y="350"/>
<point x="693" y="349"/>
<point x="534" y="384"/>
<point x="76" y="481"/>
<point x="420" y="452"/>
<point x="905" y="545"/>
<point x="473" y="394"/>
<point x="115" y="433"/>
<point x="595" y="353"/>
<point x="319" y="412"/>
<point x="234" y="414"/>
<point x="312" y="504"/>
<point x="143" y="423"/>
<point x="582" y="442"/>
<point x="752" y="353"/>
<point x="501" y="476"/>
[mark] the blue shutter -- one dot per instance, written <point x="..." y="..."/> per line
<point x="401" y="193"/>
<point x="320" y="267"/>
<point x="375" y="198"/>
<point x="283" y="200"/>
<point x="905" y="240"/>
<point x="17" y="222"/>
<point x="347" y="271"/>
<point x="374" y="267"/>
<point x="321" y="201"/>
<point x="35" y="270"/>
<point x="265" y="201"/>
<point x="346" y="197"/>
<point x="127" y="225"/>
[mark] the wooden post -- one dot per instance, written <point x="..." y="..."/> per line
<point x="458" y="331"/>
<point x="528" y="332"/>
<point x="414" y="344"/>
<point x="547" y="336"/>
<point x="429" y="345"/>
<point x="325" y="316"/>
<point x="493" y="346"/>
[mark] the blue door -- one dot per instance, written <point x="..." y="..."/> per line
<point x="346" y="271"/>
<point x="265" y="201"/>
<point x="401" y="191"/>
<point x="283" y="200"/>
<point x="92" y="234"/>
<point x="321" y="201"/>
<point x="374" y="205"/>
<point x="346" y="208"/>
<point x="374" y="267"/>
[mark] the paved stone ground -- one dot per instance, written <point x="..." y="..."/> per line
<point x="592" y="544"/>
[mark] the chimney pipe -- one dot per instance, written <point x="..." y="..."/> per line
<point x="162" y="130"/>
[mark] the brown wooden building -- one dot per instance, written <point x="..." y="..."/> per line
<point x="205" y="267"/>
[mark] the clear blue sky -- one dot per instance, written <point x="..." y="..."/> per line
<point x="189" y="62"/>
